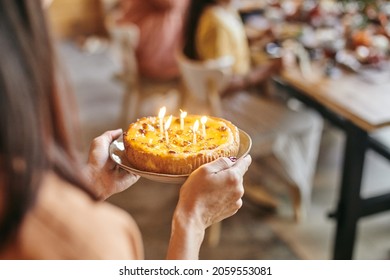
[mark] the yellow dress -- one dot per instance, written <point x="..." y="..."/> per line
<point x="221" y="33"/>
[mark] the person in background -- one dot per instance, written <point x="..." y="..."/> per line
<point x="51" y="204"/>
<point x="160" y="24"/>
<point x="214" y="29"/>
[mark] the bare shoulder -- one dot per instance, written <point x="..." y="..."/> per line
<point x="67" y="223"/>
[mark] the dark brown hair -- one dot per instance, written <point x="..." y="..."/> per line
<point x="34" y="127"/>
<point x="194" y="12"/>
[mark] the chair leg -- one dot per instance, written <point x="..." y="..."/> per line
<point x="275" y="170"/>
<point x="296" y="202"/>
<point x="214" y="235"/>
<point x="183" y="96"/>
<point x="260" y="196"/>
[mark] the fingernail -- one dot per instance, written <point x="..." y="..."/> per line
<point x="233" y="159"/>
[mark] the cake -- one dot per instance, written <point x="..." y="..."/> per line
<point x="171" y="145"/>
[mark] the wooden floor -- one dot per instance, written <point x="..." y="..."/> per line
<point x="252" y="233"/>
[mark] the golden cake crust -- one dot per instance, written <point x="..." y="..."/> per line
<point x="147" y="149"/>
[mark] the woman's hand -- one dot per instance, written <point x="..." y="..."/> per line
<point x="212" y="193"/>
<point x="257" y="76"/>
<point x="106" y="177"/>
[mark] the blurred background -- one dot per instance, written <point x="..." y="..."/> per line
<point x="265" y="228"/>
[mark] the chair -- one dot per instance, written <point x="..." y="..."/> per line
<point x="203" y="82"/>
<point x="286" y="142"/>
<point x="142" y="96"/>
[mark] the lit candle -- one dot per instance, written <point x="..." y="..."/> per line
<point x="161" y="115"/>
<point x="182" y="116"/>
<point x="194" y="130"/>
<point x="166" y="126"/>
<point x="203" y="120"/>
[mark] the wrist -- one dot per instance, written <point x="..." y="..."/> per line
<point x="93" y="180"/>
<point x="186" y="236"/>
<point x="184" y="220"/>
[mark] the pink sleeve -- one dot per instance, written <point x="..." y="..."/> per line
<point x="169" y="4"/>
<point x="161" y="34"/>
<point x="163" y="4"/>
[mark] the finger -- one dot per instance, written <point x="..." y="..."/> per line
<point x="112" y="165"/>
<point x="111" y="135"/>
<point x="123" y="175"/>
<point x="106" y="138"/>
<point x="126" y="179"/>
<point x="219" y="164"/>
<point x="242" y="164"/>
<point x="116" y="133"/>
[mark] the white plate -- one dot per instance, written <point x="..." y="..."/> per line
<point x="117" y="154"/>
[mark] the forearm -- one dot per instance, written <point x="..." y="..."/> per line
<point x="186" y="238"/>
<point x="254" y="78"/>
<point x="236" y="83"/>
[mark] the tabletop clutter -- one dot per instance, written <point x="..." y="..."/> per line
<point x="349" y="35"/>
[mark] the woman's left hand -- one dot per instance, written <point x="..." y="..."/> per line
<point x="105" y="175"/>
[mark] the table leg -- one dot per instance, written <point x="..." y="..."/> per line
<point x="349" y="207"/>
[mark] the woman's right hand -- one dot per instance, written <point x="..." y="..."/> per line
<point x="212" y="193"/>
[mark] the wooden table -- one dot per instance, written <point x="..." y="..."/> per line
<point x="359" y="108"/>
<point x="247" y="6"/>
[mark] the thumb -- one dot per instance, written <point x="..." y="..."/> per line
<point x="113" y="134"/>
<point x="105" y="139"/>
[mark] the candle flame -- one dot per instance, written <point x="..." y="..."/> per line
<point x="161" y="115"/>
<point x="194" y="129"/>
<point x="196" y="126"/>
<point x="162" y="111"/>
<point x="168" y="123"/>
<point x="203" y="120"/>
<point x="183" y="114"/>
